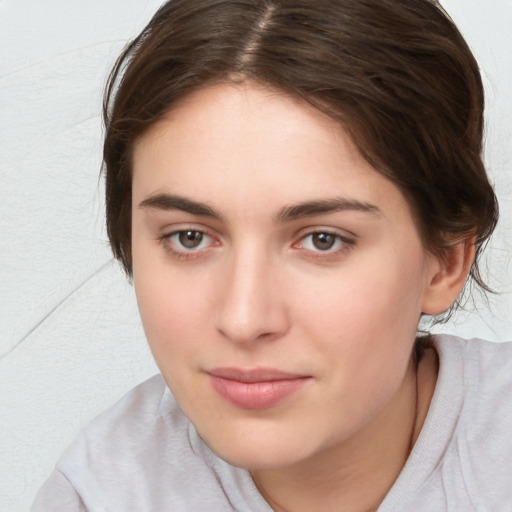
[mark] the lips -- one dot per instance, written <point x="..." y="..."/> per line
<point x="260" y="388"/>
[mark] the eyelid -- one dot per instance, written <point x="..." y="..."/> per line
<point x="182" y="253"/>
<point x="344" y="234"/>
<point x="347" y="241"/>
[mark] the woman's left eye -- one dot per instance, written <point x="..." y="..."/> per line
<point x="323" y="241"/>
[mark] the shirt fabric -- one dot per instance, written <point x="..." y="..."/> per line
<point x="143" y="455"/>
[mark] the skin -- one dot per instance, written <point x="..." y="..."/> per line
<point x="260" y="290"/>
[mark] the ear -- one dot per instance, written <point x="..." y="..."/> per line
<point x="447" y="276"/>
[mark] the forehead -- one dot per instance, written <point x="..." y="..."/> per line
<point x="244" y="117"/>
<point x="232" y="145"/>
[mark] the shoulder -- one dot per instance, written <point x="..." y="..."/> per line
<point x="135" y="416"/>
<point x="134" y="419"/>
<point x="127" y="429"/>
<point x="135" y="455"/>
<point x="485" y="366"/>
<point x="481" y="371"/>
<point x="480" y="450"/>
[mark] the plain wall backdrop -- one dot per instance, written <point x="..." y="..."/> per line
<point x="71" y="341"/>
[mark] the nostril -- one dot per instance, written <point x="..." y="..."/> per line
<point x="261" y="319"/>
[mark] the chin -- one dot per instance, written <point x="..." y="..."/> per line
<point x="256" y="460"/>
<point x="268" y="450"/>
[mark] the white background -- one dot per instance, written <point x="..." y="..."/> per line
<point x="70" y="337"/>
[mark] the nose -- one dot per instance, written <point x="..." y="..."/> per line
<point x="252" y="305"/>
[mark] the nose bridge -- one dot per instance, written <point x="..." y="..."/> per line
<point x="250" y="307"/>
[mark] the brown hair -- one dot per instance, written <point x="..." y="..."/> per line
<point x="396" y="73"/>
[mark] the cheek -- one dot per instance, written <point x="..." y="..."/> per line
<point x="365" y="329"/>
<point x="367" y="316"/>
<point x="373" y="296"/>
<point x="170" y="310"/>
<point x="170" y="302"/>
<point x="171" y="319"/>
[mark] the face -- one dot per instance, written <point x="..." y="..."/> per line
<point x="279" y="277"/>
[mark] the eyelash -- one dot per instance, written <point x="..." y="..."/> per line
<point x="183" y="253"/>
<point x="346" y="244"/>
<point x="171" y="245"/>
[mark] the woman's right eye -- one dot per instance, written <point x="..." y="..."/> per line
<point x="190" y="239"/>
<point x="187" y="241"/>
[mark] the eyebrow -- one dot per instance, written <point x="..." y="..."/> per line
<point x="313" y="208"/>
<point x="166" y="202"/>
<point x="323" y="207"/>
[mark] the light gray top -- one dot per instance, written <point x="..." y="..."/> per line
<point x="143" y="454"/>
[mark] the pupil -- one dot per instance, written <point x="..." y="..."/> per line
<point x="323" y="241"/>
<point x="190" y="239"/>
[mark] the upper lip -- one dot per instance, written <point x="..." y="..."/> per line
<point x="253" y="374"/>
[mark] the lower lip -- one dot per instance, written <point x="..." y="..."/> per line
<point x="256" y="395"/>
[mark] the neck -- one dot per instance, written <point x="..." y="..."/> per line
<point x="356" y="474"/>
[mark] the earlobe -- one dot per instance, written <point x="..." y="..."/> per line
<point x="448" y="276"/>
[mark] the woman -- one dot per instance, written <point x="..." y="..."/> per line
<point x="292" y="186"/>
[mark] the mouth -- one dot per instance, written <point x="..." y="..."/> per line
<point x="259" y="388"/>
